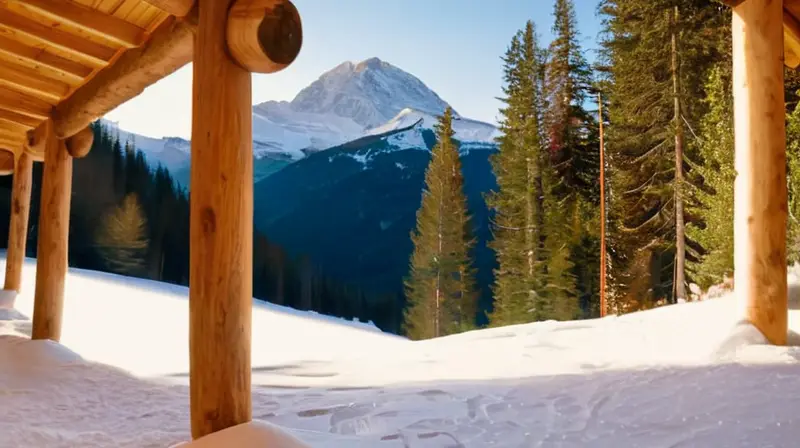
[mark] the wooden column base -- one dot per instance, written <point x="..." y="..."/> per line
<point x="51" y="264"/>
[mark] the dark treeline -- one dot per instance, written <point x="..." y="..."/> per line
<point x="132" y="219"/>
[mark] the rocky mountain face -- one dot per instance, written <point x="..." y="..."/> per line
<point x="352" y="101"/>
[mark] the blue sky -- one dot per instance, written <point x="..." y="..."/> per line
<point x="453" y="46"/>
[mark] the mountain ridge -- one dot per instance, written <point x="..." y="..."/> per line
<point x="349" y="102"/>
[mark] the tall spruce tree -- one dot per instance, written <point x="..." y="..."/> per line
<point x="518" y="203"/>
<point x="440" y="287"/>
<point x="715" y="194"/>
<point x="649" y="115"/>
<point x="573" y="146"/>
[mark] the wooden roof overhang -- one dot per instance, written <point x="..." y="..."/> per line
<point x="73" y="61"/>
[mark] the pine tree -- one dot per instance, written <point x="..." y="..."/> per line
<point x="440" y="287"/>
<point x="793" y="179"/>
<point x="518" y="204"/>
<point x="573" y="146"/>
<point x="718" y="173"/>
<point x="649" y="114"/>
<point x="122" y="237"/>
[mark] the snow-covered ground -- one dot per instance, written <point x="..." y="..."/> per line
<point x="670" y="377"/>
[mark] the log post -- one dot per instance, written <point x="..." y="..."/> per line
<point x="51" y="263"/>
<point x="760" y="202"/>
<point x="18" y="228"/>
<point x="221" y="230"/>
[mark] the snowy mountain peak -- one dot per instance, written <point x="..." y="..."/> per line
<point x="370" y="93"/>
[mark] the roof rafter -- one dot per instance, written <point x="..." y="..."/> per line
<point x="90" y="20"/>
<point x="29" y="81"/>
<point x="24" y="104"/>
<point x="40" y="60"/>
<point x="178" y="8"/>
<point x="18" y="119"/>
<point x="169" y="48"/>
<point x="81" y="49"/>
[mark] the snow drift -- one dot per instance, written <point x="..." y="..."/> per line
<point x="652" y="379"/>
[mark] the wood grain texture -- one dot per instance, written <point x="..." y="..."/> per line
<point x="178" y="8"/>
<point x="791" y="38"/>
<point x="70" y="46"/>
<point x="21" y="103"/>
<point x="51" y="263"/>
<point x="31" y="82"/>
<point x="43" y="62"/>
<point x="221" y="230"/>
<point x="169" y="48"/>
<point x="18" y="226"/>
<point x="264" y="36"/>
<point x="79" y="145"/>
<point x="113" y="30"/>
<point x="760" y="199"/>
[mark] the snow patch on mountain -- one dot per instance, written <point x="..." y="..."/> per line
<point x="369" y="93"/>
<point x="369" y="99"/>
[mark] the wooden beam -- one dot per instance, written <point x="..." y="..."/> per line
<point x="791" y="38"/>
<point x="18" y="227"/>
<point x="20" y="103"/>
<point x="7" y="165"/>
<point x="264" y="36"/>
<point x="43" y="62"/>
<point x="221" y="231"/>
<point x="169" y="48"/>
<point x="178" y="8"/>
<point x="6" y="116"/>
<point x="30" y="82"/>
<point x="51" y="259"/>
<point x="77" y="48"/>
<point x="11" y="144"/>
<point x="760" y="199"/>
<point x="79" y="145"/>
<point x="92" y="21"/>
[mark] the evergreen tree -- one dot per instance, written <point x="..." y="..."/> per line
<point x="718" y="173"/>
<point x="518" y="203"/>
<point x="534" y="279"/>
<point x="122" y="237"/>
<point x="793" y="179"/>
<point x="573" y="145"/>
<point x="654" y="101"/>
<point x="440" y="288"/>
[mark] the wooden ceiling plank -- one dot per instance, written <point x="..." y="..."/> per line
<point x="178" y="8"/>
<point x="19" y="119"/>
<point x="31" y="82"/>
<point x="11" y="144"/>
<point x="106" y="26"/>
<point x="40" y="60"/>
<point x="11" y="134"/>
<point x="85" y="51"/>
<point x="169" y="48"/>
<point x="24" y="104"/>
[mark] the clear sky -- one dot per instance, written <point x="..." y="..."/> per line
<point x="453" y="46"/>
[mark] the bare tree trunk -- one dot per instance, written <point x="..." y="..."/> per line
<point x="680" y="227"/>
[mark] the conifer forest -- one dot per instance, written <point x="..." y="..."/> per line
<point x="663" y="76"/>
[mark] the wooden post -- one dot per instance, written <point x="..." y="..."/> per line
<point x="51" y="262"/>
<point x="18" y="228"/>
<point x="760" y="201"/>
<point x="221" y="230"/>
<point x="603" y="303"/>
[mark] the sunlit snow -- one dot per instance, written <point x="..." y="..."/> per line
<point x="680" y="376"/>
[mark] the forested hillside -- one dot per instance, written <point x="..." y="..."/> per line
<point x="130" y="218"/>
